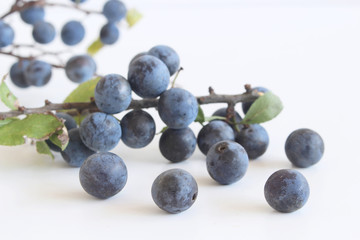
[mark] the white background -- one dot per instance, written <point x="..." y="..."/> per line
<point x="306" y="52"/>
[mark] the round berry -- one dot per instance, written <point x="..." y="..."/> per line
<point x="72" y="33"/>
<point x="100" y="132"/>
<point x="103" y="175"/>
<point x="174" y="190"/>
<point x="112" y="94"/>
<point x="168" y="56"/>
<point x="76" y="152"/>
<point x="80" y="68"/>
<point x="138" y="129"/>
<point x="43" y="32"/>
<point x="148" y="76"/>
<point x="254" y="139"/>
<point x="177" y="145"/>
<point x="177" y="108"/>
<point x="304" y="147"/>
<point x="17" y="73"/>
<point x="286" y="190"/>
<point x="227" y="162"/>
<point x="215" y="131"/>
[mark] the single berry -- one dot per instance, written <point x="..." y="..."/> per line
<point x="304" y="147"/>
<point x="177" y="145"/>
<point x="168" y="56"/>
<point x="43" y="32"/>
<point x="80" y="68"/>
<point x="17" y="73"/>
<point x="38" y="73"/>
<point x="76" y="152"/>
<point x="174" y="190"/>
<point x="227" y="162"/>
<point x="103" y="175"/>
<point x="72" y="33"/>
<point x="109" y="34"/>
<point x="6" y="34"/>
<point x="286" y="190"/>
<point x="100" y="132"/>
<point x="177" y="108"/>
<point x="112" y="94"/>
<point x="215" y="131"/>
<point x="148" y="76"/>
<point x="136" y="56"/>
<point x="254" y="139"/>
<point x="138" y="129"/>
<point x="32" y="14"/>
<point x="114" y="10"/>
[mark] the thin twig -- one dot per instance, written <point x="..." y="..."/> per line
<point x="20" y="5"/>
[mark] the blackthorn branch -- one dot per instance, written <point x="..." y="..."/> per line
<point x="81" y="107"/>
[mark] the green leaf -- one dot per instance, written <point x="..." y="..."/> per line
<point x="133" y="16"/>
<point x="7" y="120"/>
<point x="84" y="92"/>
<point x="34" y="126"/>
<point x="95" y="47"/>
<point x="265" y="108"/>
<point x="7" y="97"/>
<point x="60" y="138"/>
<point x="200" y="118"/>
<point x="43" y="148"/>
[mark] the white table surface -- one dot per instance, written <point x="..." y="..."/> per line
<point x="306" y="52"/>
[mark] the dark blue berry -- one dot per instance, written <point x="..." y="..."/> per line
<point x="72" y="33"/>
<point x="227" y="162"/>
<point x="177" y="108"/>
<point x="138" y="129"/>
<point x="76" y="152"/>
<point x="109" y="34"/>
<point x="113" y="94"/>
<point x="177" y="145"/>
<point x="6" y="34"/>
<point x="254" y="139"/>
<point x="148" y="76"/>
<point x="215" y="131"/>
<point x="304" y="147"/>
<point x="32" y="14"/>
<point x="17" y="73"/>
<point x="43" y="32"/>
<point x="114" y="10"/>
<point x="174" y="190"/>
<point x="286" y="190"/>
<point x="103" y="175"/>
<point x="80" y="68"/>
<point x="168" y="56"/>
<point x="100" y="132"/>
<point x="38" y="73"/>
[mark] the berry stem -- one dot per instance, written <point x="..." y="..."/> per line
<point x="176" y="76"/>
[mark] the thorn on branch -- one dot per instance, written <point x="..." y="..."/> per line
<point x="248" y="88"/>
<point x="211" y="91"/>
